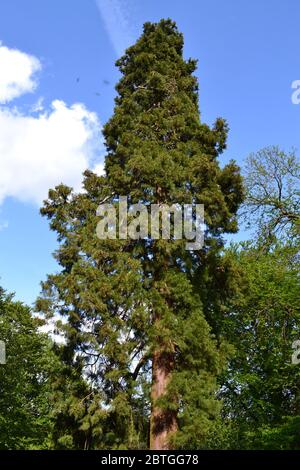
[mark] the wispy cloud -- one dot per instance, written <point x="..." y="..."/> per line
<point x="38" y="106"/>
<point x="3" y="225"/>
<point x="118" y="19"/>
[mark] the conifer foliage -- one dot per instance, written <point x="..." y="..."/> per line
<point x="133" y="320"/>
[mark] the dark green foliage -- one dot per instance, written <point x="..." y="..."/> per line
<point x="122" y="300"/>
<point x="25" y="421"/>
<point x="261" y="387"/>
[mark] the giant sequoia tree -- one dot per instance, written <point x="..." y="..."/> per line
<point x="134" y="323"/>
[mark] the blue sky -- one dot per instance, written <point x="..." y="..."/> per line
<point x="57" y="79"/>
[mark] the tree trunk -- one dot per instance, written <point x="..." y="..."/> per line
<point x="163" y="422"/>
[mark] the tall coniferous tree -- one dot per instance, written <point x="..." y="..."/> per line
<point x="133" y="307"/>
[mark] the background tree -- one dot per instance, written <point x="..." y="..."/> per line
<point x="25" y="409"/>
<point x="261" y="386"/>
<point x="272" y="180"/>
<point x="135" y="326"/>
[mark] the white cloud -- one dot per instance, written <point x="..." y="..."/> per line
<point x="44" y="147"/>
<point x="18" y="73"/>
<point x="38" y="152"/>
<point x="99" y="169"/>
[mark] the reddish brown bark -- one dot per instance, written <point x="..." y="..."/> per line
<point x="163" y="422"/>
